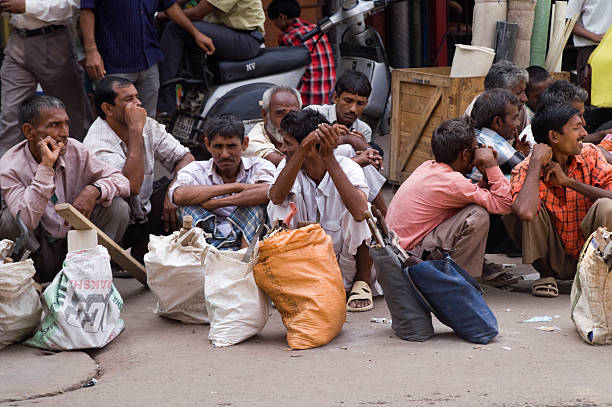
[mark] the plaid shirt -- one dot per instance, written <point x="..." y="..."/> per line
<point x="566" y="206"/>
<point x="320" y="75"/>
<point x="507" y="156"/>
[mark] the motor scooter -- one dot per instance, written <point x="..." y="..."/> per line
<point x="237" y="86"/>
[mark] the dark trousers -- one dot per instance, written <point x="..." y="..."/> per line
<point x="229" y="44"/>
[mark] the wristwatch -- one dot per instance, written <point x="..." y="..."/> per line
<point x="97" y="186"/>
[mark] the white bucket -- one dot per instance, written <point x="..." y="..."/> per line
<point x="470" y="60"/>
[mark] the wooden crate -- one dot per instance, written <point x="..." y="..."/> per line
<point x="422" y="98"/>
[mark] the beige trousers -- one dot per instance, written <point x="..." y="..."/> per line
<point x="539" y="239"/>
<point x="465" y="232"/>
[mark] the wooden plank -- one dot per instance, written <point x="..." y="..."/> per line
<point x="433" y="102"/>
<point x="78" y="221"/>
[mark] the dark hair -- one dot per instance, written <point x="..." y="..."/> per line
<point x="490" y="104"/>
<point x="505" y="75"/>
<point x="451" y="138"/>
<point x="537" y="74"/>
<point x="290" y="8"/>
<point x="29" y="110"/>
<point x="225" y="125"/>
<point x="562" y="92"/>
<point x="299" y="124"/>
<point x="106" y="93"/>
<point x="353" y="82"/>
<point x="551" y="117"/>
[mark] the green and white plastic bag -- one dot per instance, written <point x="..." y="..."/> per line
<point x="20" y="308"/>
<point x="81" y="305"/>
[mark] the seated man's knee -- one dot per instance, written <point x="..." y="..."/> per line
<point x="120" y="210"/>
<point x="478" y="217"/>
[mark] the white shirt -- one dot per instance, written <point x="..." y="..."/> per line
<point x="321" y="203"/>
<point x="260" y="144"/>
<point x="159" y="145"/>
<point x="253" y="170"/>
<point x="595" y="16"/>
<point x="41" y="13"/>
<point x="329" y="111"/>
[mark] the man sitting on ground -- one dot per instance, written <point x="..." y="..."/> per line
<point x="48" y="168"/>
<point x="539" y="80"/>
<point x="438" y="206"/>
<point x="513" y="78"/>
<point x="265" y="138"/>
<point x="562" y="193"/>
<point x="351" y="94"/>
<point x="225" y="194"/>
<point x="327" y="189"/>
<point x="318" y="80"/>
<point x="496" y="117"/>
<point x="125" y="138"/>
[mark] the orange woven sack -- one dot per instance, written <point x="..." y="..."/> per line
<point x="299" y="272"/>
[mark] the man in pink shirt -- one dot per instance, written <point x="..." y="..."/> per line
<point x="49" y="168"/>
<point x="438" y="206"/>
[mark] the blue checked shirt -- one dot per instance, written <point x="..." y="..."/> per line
<point x="507" y="156"/>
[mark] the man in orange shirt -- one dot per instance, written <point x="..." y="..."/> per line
<point x="561" y="194"/>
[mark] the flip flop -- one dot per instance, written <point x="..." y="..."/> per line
<point x="499" y="279"/>
<point x="360" y="291"/>
<point x="545" y="287"/>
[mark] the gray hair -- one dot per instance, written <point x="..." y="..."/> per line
<point x="30" y="109"/>
<point x="562" y="92"/>
<point x="505" y="75"/>
<point x="490" y="104"/>
<point x="267" y="96"/>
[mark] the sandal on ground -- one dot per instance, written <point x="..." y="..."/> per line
<point x="360" y="291"/>
<point x="545" y="287"/>
<point x="499" y="279"/>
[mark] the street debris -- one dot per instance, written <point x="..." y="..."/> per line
<point x="544" y="318"/>
<point x="91" y="382"/>
<point x="548" y="328"/>
<point x="380" y="320"/>
<point x="506" y="347"/>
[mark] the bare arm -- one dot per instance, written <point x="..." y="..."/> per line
<point x="177" y="15"/>
<point x="555" y="174"/>
<point x="198" y="194"/>
<point x="134" y="163"/>
<point x="200" y="11"/>
<point x="583" y="32"/>
<point x="187" y="158"/>
<point x="94" y="65"/>
<point x="527" y="202"/>
<point x="596" y="137"/>
<point x="274" y="158"/>
<point x="358" y="143"/>
<point x="251" y="195"/>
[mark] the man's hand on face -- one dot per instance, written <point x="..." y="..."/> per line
<point x="310" y="142"/>
<point x="554" y="174"/>
<point x="522" y="145"/>
<point x="85" y="202"/>
<point x="12" y="6"/>
<point x="542" y="153"/>
<point x="484" y="157"/>
<point x="49" y="151"/>
<point x="169" y="217"/>
<point x="328" y="140"/>
<point x="135" y="116"/>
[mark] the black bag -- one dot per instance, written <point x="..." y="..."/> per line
<point x="409" y="319"/>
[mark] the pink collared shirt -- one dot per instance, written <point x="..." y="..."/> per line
<point x="29" y="186"/>
<point x="434" y="192"/>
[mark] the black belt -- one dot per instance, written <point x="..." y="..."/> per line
<point x="39" y="31"/>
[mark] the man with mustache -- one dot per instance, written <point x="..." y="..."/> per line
<point x="225" y="195"/>
<point x="561" y="193"/>
<point x="49" y="168"/>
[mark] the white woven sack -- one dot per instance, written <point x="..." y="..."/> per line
<point x="20" y="308"/>
<point x="591" y="296"/>
<point x="237" y="307"/>
<point x="175" y="275"/>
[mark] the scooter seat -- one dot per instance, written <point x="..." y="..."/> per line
<point x="268" y="61"/>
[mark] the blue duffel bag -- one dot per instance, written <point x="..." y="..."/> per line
<point x="455" y="298"/>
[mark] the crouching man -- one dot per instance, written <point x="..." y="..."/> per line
<point x="49" y="168"/>
<point x="329" y="190"/>
<point x="438" y="206"/>
<point x="225" y="195"/>
<point x="562" y="193"/>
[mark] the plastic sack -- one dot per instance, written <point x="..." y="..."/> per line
<point x="410" y="320"/>
<point x="81" y="306"/>
<point x="591" y="295"/>
<point x="299" y="271"/>
<point x="20" y="308"/>
<point x="175" y="275"/>
<point x="455" y="298"/>
<point x="238" y="309"/>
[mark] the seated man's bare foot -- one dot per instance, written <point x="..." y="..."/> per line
<point x="360" y="297"/>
